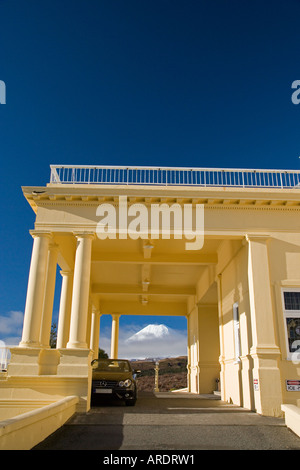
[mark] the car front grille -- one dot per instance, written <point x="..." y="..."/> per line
<point x="105" y="383"/>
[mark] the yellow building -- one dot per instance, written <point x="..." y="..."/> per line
<point x="237" y="282"/>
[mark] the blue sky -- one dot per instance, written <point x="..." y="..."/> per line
<point x="131" y="82"/>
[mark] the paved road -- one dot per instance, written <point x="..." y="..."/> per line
<point x="171" y="421"/>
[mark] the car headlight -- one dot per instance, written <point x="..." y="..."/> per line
<point x="125" y="383"/>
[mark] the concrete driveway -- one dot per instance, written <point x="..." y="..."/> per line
<point x="171" y="421"/>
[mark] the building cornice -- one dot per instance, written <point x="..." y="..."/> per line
<point x="214" y="198"/>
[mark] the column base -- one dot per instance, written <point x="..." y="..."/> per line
<point x="194" y="379"/>
<point x="247" y="382"/>
<point x="24" y="361"/>
<point x="222" y="377"/>
<point x="33" y="361"/>
<point x="29" y="344"/>
<point x="209" y="372"/>
<point x="75" y="362"/>
<point x="189" y="387"/>
<point x="76" y="345"/>
<point x="267" y="380"/>
<point x="48" y="361"/>
<point x="48" y="374"/>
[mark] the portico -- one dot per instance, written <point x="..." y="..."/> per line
<point x="230" y="289"/>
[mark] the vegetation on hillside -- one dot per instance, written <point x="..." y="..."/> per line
<point x="172" y="374"/>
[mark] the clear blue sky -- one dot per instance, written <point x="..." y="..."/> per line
<point x="131" y="82"/>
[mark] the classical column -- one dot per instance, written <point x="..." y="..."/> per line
<point x="80" y="297"/>
<point x="64" y="315"/>
<point x="35" y="290"/>
<point x="114" y="336"/>
<point x="89" y="324"/>
<point x="49" y="296"/>
<point x="95" y="331"/>
<point x="264" y="350"/>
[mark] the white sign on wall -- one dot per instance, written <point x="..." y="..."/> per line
<point x="293" y="385"/>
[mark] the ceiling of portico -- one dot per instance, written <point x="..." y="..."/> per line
<point x="129" y="278"/>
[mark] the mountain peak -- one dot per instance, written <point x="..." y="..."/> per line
<point x="150" y="332"/>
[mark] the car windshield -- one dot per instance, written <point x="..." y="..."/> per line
<point x="111" y="365"/>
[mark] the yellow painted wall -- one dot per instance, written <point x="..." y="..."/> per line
<point x="284" y="251"/>
<point x="284" y="256"/>
<point x="234" y="288"/>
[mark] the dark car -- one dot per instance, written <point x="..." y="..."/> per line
<point x="114" y="378"/>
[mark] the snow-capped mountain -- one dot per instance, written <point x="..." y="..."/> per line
<point x="153" y="341"/>
<point x="150" y="332"/>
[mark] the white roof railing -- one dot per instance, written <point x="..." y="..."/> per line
<point x="164" y="176"/>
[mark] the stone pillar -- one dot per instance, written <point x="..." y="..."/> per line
<point x="49" y="296"/>
<point x="115" y="336"/>
<point x="221" y="337"/>
<point x="194" y="350"/>
<point x="80" y="297"/>
<point x="189" y="387"/>
<point x="264" y="350"/>
<point x="35" y="290"/>
<point x="208" y="348"/>
<point x="95" y="331"/>
<point x="64" y="316"/>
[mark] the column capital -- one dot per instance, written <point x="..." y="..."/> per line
<point x="257" y="237"/>
<point x="96" y="311"/>
<point x="90" y="235"/>
<point x="116" y="315"/>
<point x="66" y="273"/>
<point x="40" y="233"/>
